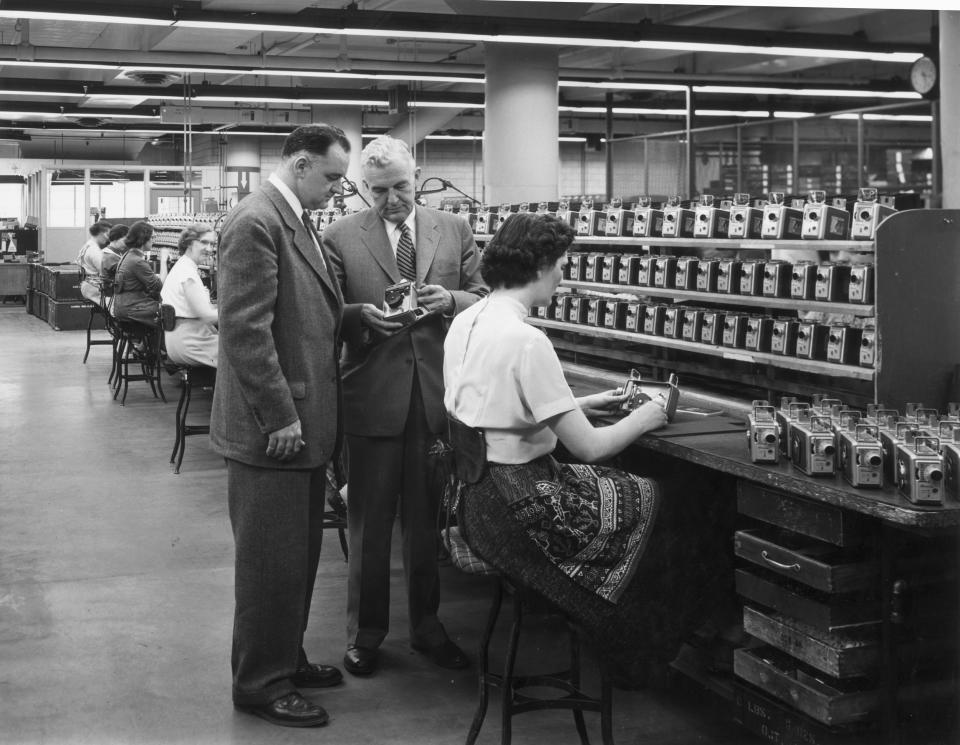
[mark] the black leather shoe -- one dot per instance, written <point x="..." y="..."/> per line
<point x="292" y="710"/>
<point x="446" y="654"/>
<point x="316" y="676"/>
<point x="360" y="660"/>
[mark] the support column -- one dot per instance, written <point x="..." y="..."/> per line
<point x="350" y="120"/>
<point x="521" y="150"/>
<point x="950" y="106"/>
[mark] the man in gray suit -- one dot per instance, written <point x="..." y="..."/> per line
<point x="276" y="419"/>
<point x="393" y="395"/>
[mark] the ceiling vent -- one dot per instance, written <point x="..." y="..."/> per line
<point x="88" y="121"/>
<point x="151" y="77"/>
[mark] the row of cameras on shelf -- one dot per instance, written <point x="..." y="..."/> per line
<point x="739" y="217"/>
<point x="837" y="281"/>
<point x="918" y="453"/>
<point x="787" y="337"/>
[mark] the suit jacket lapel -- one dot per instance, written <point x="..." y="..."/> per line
<point x="374" y="237"/>
<point x="303" y="241"/>
<point x="428" y="241"/>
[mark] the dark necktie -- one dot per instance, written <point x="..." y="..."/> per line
<point x="308" y="221"/>
<point x="406" y="256"/>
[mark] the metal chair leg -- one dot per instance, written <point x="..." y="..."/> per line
<point x="506" y="684"/>
<point x="185" y="381"/>
<point x="483" y="662"/>
<point x="183" y="426"/>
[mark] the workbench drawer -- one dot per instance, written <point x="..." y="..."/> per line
<point x="815" y="519"/>
<point x="842" y="655"/>
<point x="816" y="695"/>
<point x="802" y="559"/>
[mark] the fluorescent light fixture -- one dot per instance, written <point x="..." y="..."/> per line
<point x="247" y="133"/>
<point x="78" y="17"/>
<point x="419" y="104"/>
<point x="453" y="137"/>
<point x="57" y="65"/>
<point x="682" y="46"/>
<point x="275" y="72"/>
<point x="756" y="114"/>
<point x="44" y="94"/>
<point x="623" y="86"/>
<point x="792" y="114"/>
<point x="133" y="100"/>
<point x="810" y="92"/>
<point x="887" y="117"/>
<point x="749" y="114"/>
<point x="305" y="101"/>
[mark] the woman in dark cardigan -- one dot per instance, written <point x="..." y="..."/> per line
<point x="609" y="547"/>
<point x="136" y="286"/>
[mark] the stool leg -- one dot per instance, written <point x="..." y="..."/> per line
<point x="343" y="543"/>
<point x="606" y="706"/>
<point x="483" y="663"/>
<point x="179" y="422"/>
<point x="183" y="426"/>
<point x="89" y="329"/>
<point x="575" y="682"/>
<point x="506" y="689"/>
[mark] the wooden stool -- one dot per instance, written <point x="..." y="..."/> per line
<point x="512" y="699"/>
<point x="203" y="376"/>
<point x="96" y="310"/>
<point x="139" y="346"/>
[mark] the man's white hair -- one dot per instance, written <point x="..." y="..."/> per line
<point x="385" y="150"/>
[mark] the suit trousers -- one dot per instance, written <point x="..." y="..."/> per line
<point x="381" y="469"/>
<point x="277" y="519"/>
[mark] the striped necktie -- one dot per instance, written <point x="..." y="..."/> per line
<point x="406" y="256"/>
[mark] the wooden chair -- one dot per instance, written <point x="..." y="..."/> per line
<point x="97" y="310"/>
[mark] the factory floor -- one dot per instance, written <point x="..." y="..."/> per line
<point x="116" y="582"/>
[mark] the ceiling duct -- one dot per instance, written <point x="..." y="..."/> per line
<point x="151" y="77"/>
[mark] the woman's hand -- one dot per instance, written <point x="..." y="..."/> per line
<point x="649" y="416"/>
<point x="601" y="404"/>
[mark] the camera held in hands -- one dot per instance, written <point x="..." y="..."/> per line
<point x="639" y="391"/>
<point x="400" y="303"/>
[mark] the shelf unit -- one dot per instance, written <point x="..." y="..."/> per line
<point x="916" y="313"/>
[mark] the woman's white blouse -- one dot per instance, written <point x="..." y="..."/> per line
<point x="502" y="375"/>
<point x="184" y="290"/>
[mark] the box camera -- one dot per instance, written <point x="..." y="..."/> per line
<point x="777" y="276"/>
<point x="400" y="303"/>
<point x="610" y="269"/>
<point x="629" y="270"/>
<point x="692" y="322"/>
<point x="763" y="434"/>
<point x="861" y="459"/>
<point x="811" y="341"/>
<point x="833" y="282"/>
<point x="484" y="220"/>
<point x="843" y="345"/>
<point x="577" y="267"/>
<point x="813" y="447"/>
<point x="868" y="213"/>
<point x="619" y="221"/>
<point x="653" y="317"/>
<point x="779" y="220"/>
<point x="594" y="268"/>
<point x="920" y="470"/>
<point x="803" y="280"/>
<point x="639" y="391"/>
<point x="647" y="221"/>
<point x="685" y="277"/>
<point x="672" y="327"/>
<point x="707" y="272"/>
<point x="889" y="439"/>
<point x="645" y="271"/>
<point x="711" y="329"/>
<point x="759" y="334"/>
<point x="728" y="276"/>
<point x="783" y="337"/>
<point x="710" y="221"/>
<point x="867" y="356"/>
<point x="635" y="315"/>
<point x="751" y="278"/>
<point x="596" y="310"/>
<point x="950" y="451"/>
<point x="860" y="289"/>
<point x="543" y="208"/>
<point x="822" y="221"/>
<point x="734" y="330"/>
<point x="591" y="221"/>
<point x="746" y="221"/>
<point x="664" y="271"/>
<point x="565" y="214"/>
<point x="784" y="416"/>
<point x="503" y="213"/>
<point x="561" y="311"/>
<point x="579" y="307"/>
<point x="677" y="220"/>
<point x="615" y="314"/>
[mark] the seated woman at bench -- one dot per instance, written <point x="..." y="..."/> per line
<point x="136" y="286"/>
<point x="194" y="338"/>
<point x="600" y="543"/>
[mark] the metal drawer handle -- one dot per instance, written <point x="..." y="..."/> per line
<point x="777" y="564"/>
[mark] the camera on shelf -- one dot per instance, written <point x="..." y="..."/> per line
<point x="759" y="334"/>
<point x="789" y="410"/>
<point x="734" y="330"/>
<point x="811" y="341"/>
<point x="639" y="391"/>
<point x="610" y="268"/>
<point x="868" y="213"/>
<point x="728" y="276"/>
<point x="812" y="446"/>
<point x="647" y="220"/>
<point x="763" y="434"/>
<point x="593" y="269"/>
<point x="803" y="280"/>
<point x="822" y="221"/>
<point x="469" y="215"/>
<point x="779" y="220"/>
<point x="672" y="325"/>
<point x="919" y="469"/>
<point x="619" y="221"/>
<point x="565" y="214"/>
<point x="579" y="307"/>
<point x="596" y="311"/>
<point x="685" y="277"/>
<point x="692" y="322"/>
<point x="783" y="337"/>
<point x="751" y="277"/>
<point x="843" y="345"/>
<point x="646" y="270"/>
<point x="710" y="221"/>
<point x="635" y="316"/>
<point x="653" y="317"/>
<point x="678" y="221"/>
<point x="400" y="303"/>
<point x="629" y="270"/>
<point x="664" y="271"/>
<point x="746" y="221"/>
<point x="833" y="282"/>
<point x="860" y="288"/>
<point x="777" y="276"/>
<point x="591" y="221"/>
<point x="503" y="213"/>
<point x="890" y="438"/>
<point x="707" y="271"/>
<point x="861" y="458"/>
<point x="950" y="450"/>
<point x="577" y="267"/>
<point x="484" y="221"/>
<point x="543" y="208"/>
<point x="711" y="328"/>
<point x="562" y="309"/>
<point x="615" y="314"/>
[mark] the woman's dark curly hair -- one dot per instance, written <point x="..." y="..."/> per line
<point x="138" y="235"/>
<point x="526" y="243"/>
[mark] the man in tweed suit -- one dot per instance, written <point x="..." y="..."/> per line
<point x="393" y="395"/>
<point x="276" y="419"/>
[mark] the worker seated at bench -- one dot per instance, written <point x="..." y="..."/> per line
<point x="194" y="337"/>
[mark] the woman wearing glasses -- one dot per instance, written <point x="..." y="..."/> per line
<point x="194" y="338"/>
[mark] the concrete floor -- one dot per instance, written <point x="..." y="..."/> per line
<point x="116" y="581"/>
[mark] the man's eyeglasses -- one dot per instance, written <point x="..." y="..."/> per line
<point x="208" y="243"/>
